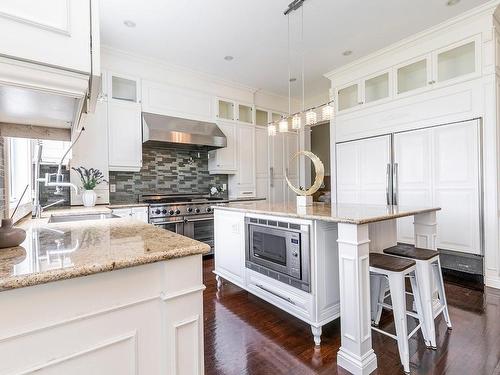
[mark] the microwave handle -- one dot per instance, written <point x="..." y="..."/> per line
<point x="288" y="299"/>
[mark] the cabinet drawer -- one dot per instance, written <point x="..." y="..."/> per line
<point x="292" y="300"/>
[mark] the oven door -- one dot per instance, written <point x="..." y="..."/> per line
<point x="268" y="247"/>
<point x="200" y="228"/>
<point x="174" y="224"/>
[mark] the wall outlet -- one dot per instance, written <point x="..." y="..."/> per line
<point x="224" y="187"/>
<point x="112" y="188"/>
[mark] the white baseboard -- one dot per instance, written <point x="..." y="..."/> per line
<point x="492" y="282"/>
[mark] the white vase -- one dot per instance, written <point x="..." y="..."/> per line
<point x="89" y="198"/>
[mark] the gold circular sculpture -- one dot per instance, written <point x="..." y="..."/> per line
<point x="320" y="174"/>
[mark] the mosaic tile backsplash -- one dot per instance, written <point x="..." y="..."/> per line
<point x="165" y="171"/>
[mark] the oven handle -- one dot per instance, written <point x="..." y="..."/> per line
<point x="166" y="222"/>
<point x="199" y="219"/>
<point x="288" y="299"/>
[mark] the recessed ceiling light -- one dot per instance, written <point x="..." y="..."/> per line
<point x="292" y="79"/>
<point x="129" y="23"/>
<point x="347" y="53"/>
<point x="228" y="58"/>
<point x="452" y="2"/>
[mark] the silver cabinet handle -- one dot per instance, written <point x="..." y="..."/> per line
<point x="287" y="299"/>
<point x="388" y="182"/>
<point x="271" y="175"/>
<point x="395" y="184"/>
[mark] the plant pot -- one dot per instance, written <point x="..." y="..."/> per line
<point x="89" y="198"/>
<point x="10" y="236"/>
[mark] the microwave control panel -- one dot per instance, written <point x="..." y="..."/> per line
<point x="294" y="254"/>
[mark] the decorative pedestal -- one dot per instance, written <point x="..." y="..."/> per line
<point x="304" y="200"/>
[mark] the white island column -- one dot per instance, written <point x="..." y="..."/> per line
<point x="355" y="354"/>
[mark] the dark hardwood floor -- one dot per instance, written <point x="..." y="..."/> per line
<point x="245" y="335"/>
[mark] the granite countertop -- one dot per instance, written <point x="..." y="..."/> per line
<point x="117" y="205"/>
<point x="59" y="251"/>
<point x="340" y="213"/>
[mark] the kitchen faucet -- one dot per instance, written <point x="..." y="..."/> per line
<point x="48" y="181"/>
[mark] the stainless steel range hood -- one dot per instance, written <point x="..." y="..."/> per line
<point x="166" y="131"/>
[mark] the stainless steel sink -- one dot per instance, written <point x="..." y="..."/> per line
<point x="81" y="217"/>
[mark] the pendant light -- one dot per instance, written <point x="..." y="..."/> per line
<point x="283" y="125"/>
<point x="271" y="130"/>
<point x="327" y="112"/>
<point x="296" y="122"/>
<point x="311" y="117"/>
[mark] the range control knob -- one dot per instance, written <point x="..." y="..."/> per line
<point x="190" y="209"/>
<point x="209" y="209"/>
<point x="177" y="212"/>
<point x="164" y="211"/>
<point x="171" y="212"/>
<point x="197" y="210"/>
<point x="157" y="212"/>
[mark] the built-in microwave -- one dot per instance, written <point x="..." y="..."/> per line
<point x="279" y="249"/>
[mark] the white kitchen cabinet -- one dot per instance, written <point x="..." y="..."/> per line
<point x="176" y="101"/>
<point x="138" y="213"/>
<point x="440" y="167"/>
<point x="348" y="97"/>
<point x="229" y="252"/>
<point x="261" y="162"/>
<point x="55" y="33"/>
<point x="91" y="151"/>
<point x="362" y="170"/>
<point x="242" y="183"/>
<point x="245" y="113"/>
<point x="261" y="117"/>
<point x="225" y="109"/>
<point x="413" y="75"/>
<point x="224" y="160"/>
<point x="125" y="136"/>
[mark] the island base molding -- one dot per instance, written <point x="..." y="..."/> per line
<point x="142" y="320"/>
<point x="357" y="366"/>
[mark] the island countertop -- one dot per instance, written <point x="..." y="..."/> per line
<point x="339" y="213"/>
<point x="58" y="251"/>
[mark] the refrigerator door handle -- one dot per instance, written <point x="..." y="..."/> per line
<point x="388" y="184"/>
<point x="395" y="184"/>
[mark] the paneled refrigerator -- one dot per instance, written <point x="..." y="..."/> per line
<point x="434" y="166"/>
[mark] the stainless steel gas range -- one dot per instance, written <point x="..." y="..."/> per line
<point x="186" y="214"/>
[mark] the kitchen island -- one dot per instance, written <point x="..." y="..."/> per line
<point x="111" y="296"/>
<point x="267" y="249"/>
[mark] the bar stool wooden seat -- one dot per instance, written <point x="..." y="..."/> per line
<point x="395" y="270"/>
<point x="428" y="270"/>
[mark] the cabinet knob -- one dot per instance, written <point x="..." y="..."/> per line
<point x="360" y="103"/>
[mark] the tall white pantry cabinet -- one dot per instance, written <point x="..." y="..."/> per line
<point x="416" y="123"/>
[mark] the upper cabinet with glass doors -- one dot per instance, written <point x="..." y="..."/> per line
<point x="445" y="66"/>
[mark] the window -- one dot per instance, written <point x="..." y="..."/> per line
<point x="19" y="173"/>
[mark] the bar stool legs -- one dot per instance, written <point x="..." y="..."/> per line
<point x="398" y="297"/>
<point x="436" y="269"/>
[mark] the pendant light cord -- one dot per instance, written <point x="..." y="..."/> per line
<point x="289" y="71"/>
<point x="303" y="57"/>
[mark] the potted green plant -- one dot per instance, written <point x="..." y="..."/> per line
<point x="90" y="179"/>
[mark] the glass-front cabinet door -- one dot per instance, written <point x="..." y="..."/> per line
<point x="261" y="117"/>
<point x="348" y="97"/>
<point x="413" y="75"/>
<point x="245" y="113"/>
<point x="225" y="109"/>
<point x="455" y="62"/>
<point x="377" y="88"/>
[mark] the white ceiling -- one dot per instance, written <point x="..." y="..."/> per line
<point x="198" y="34"/>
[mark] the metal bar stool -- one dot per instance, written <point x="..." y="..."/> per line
<point x="395" y="270"/>
<point x="428" y="271"/>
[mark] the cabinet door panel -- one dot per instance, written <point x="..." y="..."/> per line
<point x="456" y="187"/>
<point x="277" y="190"/>
<point x="291" y="148"/>
<point x="362" y="170"/>
<point x="245" y="147"/>
<point x="230" y="245"/>
<point x="226" y="157"/>
<point x="412" y="153"/>
<point x="261" y="153"/>
<point x="276" y="154"/>
<point x="125" y="135"/>
<point x="53" y="32"/>
<point x="262" y="187"/>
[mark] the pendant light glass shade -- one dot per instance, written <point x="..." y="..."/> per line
<point x="327" y="112"/>
<point x="283" y="126"/>
<point x="296" y="122"/>
<point x="271" y="130"/>
<point x="311" y="118"/>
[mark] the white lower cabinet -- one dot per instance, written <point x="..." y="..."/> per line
<point x="229" y="233"/>
<point x="138" y="213"/>
<point x="125" y="136"/>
